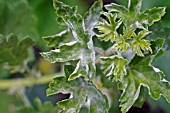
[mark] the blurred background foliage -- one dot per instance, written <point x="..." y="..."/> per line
<point x="36" y="19"/>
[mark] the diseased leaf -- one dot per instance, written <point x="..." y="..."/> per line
<point x="147" y="76"/>
<point x="58" y="39"/>
<point x="108" y="29"/>
<point x="132" y="16"/>
<point x="66" y="52"/>
<point x="114" y="67"/>
<point x="142" y="98"/>
<point x="141" y="73"/>
<point x="151" y="16"/>
<point x="82" y="92"/>
<point x="135" y="6"/>
<point x="82" y="49"/>
<point x="12" y="51"/>
<point x="93" y="15"/>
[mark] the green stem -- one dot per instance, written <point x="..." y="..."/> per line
<point x="16" y="83"/>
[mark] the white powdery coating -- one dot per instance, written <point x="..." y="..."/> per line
<point x="145" y="21"/>
<point x="61" y="33"/>
<point x="70" y="43"/>
<point x="75" y="35"/>
<point x="56" y="50"/>
<point x="156" y="69"/>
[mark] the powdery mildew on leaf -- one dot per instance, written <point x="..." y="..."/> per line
<point x="82" y="49"/>
<point x="82" y="92"/>
<point x="142" y="73"/>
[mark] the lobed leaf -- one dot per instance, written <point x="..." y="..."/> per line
<point x="93" y="15"/>
<point x="132" y="16"/>
<point x="82" y="49"/>
<point x="114" y="67"/>
<point x="141" y="73"/>
<point x="156" y="46"/>
<point x="108" y="30"/>
<point x="66" y="52"/>
<point x="151" y="16"/>
<point x="81" y="93"/>
<point x="121" y="44"/>
<point x="135" y="6"/>
<point x="147" y="76"/>
<point x="12" y="51"/>
<point x="57" y="40"/>
<point x="140" y="44"/>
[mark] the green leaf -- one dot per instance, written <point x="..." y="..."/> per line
<point x="58" y="39"/>
<point x="142" y="98"/>
<point x="135" y="6"/>
<point x="140" y="44"/>
<point x="114" y="67"/>
<point x="116" y="8"/>
<point x="82" y="49"/>
<point x="12" y="51"/>
<point x="46" y="107"/>
<point x="132" y="16"/>
<point x="17" y="17"/>
<point x="93" y="15"/>
<point x="121" y="44"/>
<point x="147" y="76"/>
<point x="156" y="46"/>
<point x="66" y="52"/>
<point x="108" y="29"/>
<point x="141" y="73"/>
<point x="81" y="92"/>
<point x="151" y="15"/>
<point x="73" y="20"/>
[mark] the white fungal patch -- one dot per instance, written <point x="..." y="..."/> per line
<point x="156" y="69"/>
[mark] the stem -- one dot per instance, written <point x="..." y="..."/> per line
<point x="17" y="83"/>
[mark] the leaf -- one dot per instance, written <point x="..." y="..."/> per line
<point x="121" y="44"/>
<point x="114" y="67"/>
<point x="46" y="107"/>
<point x="141" y="73"/>
<point x="108" y="30"/>
<point x="17" y="17"/>
<point x="93" y="15"/>
<point x="135" y="6"/>
<point x="81" y="92"/>
<point x="58" y="39"/>
<point x="147" y="76"/>
<point x="156" y="46"/>
<point x="132" y="16"/>
<point x="73" y="20"/>
<point x="140" y="44"/>
<point x="82" y="49"/>
<point x="151" y="16"/>
<point x="12" y="51"/>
